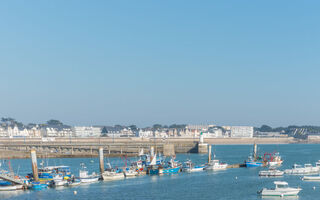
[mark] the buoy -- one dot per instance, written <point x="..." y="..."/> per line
<point x="314" y="187"/>
<point x="75" y="192"/>
<point x="236" y="177"/>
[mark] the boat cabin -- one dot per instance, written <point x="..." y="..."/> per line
<point x="281" y="184"/>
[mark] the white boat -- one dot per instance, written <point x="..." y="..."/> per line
<point x="298" y="169"/>
<point x="129" y="173"/>
<point x="311" y="178"/>
<point x="73" y="183"/>
<point x="281" y="189"/>
<point x="85" y="177"/>
<point x="8" y="188"/>
<point x="271" y="172"/>
<point x="275" y="160"/>
<point x="57" y="183"/>
<point x="190" y="167"/>
<point x="216" y="165"/>
<point x="112" y="175"/>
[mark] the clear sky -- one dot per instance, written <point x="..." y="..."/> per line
<point x="145" y="62"/>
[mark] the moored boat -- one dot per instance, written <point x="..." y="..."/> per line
<point x="281" y="189"/>
<point x="251" y="162"/>
<point x="190" y="167"/>
<point x="299" y="170"/>
<point x="216" y="165"/>
<point x="271" y="172"/>
<point x="84" y="176"/>
<point x="112" y="174"/>
<point x="311" y="178"/>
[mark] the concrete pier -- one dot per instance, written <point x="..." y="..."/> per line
<point x="34" y="165"/>
<point x="168" y="150"/>
<point x="203" y="148"/>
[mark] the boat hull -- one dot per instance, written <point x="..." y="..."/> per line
<point x="311" y="178"/>
<point x="173" y="170"/>
<point x="89" y="180"/>
<point x="8" y="188"/>
<point x="280" y="193"/>
<point x="271" y="173"/>
<point x="112" y="177"/>
<point x="253" y="164"/>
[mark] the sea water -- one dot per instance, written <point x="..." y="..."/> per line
<point x="238" y="183"/>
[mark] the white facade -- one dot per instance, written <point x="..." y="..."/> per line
<point x="241" y="131"/>
<point x="87" y="131"/>
<point x="145" y="134"/>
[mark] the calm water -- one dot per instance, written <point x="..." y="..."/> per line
<point x="239" y="183"/>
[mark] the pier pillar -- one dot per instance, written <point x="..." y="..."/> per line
<point x="168" y="149"/>
<point x="202" y="147"/>
<point x="34" y="165"/>
<point x="71" y="150"/>
<point x="209" y="154"/>
<point x="109" y="149"/>
<point x="255" y="151"/>
<point x="91" y="150"/>
<point x="101" y="162"/>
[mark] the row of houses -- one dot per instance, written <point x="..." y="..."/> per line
<point x="191" y="131"/>
<point x="38" y="132"/>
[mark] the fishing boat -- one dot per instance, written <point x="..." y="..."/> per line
<point x="281" y="189"/>
<point x="51" y="172"/>
<point x="153" y="168"/>
<point x="112" y="174"/>
<point x="251" y="162"/>
<point x="273" y="159"/>
<point x="255" y="160"/>
<point x="271" y="172"/>
<point x="298" y="169"/>
<point x="172" y="167"/>
<point x="85" y="177"/>
<point x="190" y="167"/>
<point x="216" y="165"/>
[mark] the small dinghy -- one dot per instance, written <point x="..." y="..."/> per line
<point x="281" y="190"/>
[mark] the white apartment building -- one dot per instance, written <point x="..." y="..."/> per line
<point x="241" y="131"/>
<point x="87" y="131"/>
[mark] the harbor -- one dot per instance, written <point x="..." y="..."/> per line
<point x="221" y="164"/>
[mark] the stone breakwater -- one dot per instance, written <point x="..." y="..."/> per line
<point x="88" y="147"/>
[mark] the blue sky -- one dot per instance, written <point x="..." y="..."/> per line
<point x="146" y="62"/>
